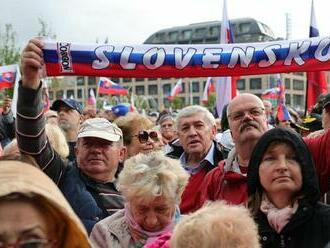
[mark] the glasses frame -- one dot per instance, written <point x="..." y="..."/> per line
<point x="240" y="115"/>
<point x="143" y="136"/>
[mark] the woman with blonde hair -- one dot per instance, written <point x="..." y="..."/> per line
<point x="33" y="211"/>
<point x="152" y="185"/>
<point x="216" y="225"/>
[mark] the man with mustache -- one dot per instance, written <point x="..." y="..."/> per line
<point x="247" y="122"/>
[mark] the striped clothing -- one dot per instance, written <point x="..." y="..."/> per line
<point x="91" y="200"/>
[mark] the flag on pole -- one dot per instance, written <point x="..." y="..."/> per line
<point x="209" y="88"/>
<point x="13" y="68"/>
<point x="316" y="80"/>
<point x="132" y="105"/>
<point x="91" y="99"/>
<point x="282" y="111"/>
<point x="106" y="86"/>
<point x="176" y="90"/>
<point x="225" y="86"/>
<point x="272" y="93"/>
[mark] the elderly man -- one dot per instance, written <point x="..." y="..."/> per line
<point x="199" y="153"/>
<point x="248" y="122"/>
<point x="69" y="113"/>
<point x="88" y="183"/>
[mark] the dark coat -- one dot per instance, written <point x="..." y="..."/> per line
<point x="310" y="225"/>
<point x="177" y="150"/>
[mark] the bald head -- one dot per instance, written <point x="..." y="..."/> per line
<point x="247" y="118"/>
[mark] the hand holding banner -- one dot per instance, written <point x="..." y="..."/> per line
<point x="191" y="60"/>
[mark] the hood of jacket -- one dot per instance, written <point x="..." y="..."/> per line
<point x="310" y="187"/>
<point x="18" y="177"/>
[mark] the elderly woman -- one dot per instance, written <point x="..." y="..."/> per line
<point x="167" y="129"/>
<point x="216" y="225"/>
<point x="33" y="212"/>
<point x="137" y="134"/>
<point x="152" y="185"/>
<point x="284" y="193"/>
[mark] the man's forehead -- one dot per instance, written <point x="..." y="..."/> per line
<point x="196" y="118"/>
<point x="245" y="102"/>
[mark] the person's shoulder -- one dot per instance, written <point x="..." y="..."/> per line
<point x="117" y="219"/>
<point x="217" y="171"/>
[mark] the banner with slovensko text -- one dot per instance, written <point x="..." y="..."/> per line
<point x="193" y="60"/>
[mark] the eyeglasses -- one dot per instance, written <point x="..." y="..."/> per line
<point x="239" y="115"/>
<point x="31" y="243"/>
<point x="143" y="137"/>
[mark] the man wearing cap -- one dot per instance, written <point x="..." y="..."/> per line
<point x="89" y="182"/>
<point x="69" y="117"/>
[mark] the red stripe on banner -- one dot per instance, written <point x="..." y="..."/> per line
<point x="53" y="69"/>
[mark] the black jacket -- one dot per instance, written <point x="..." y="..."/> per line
<point x="177" y="150"/>
<point x="310" y="225"/>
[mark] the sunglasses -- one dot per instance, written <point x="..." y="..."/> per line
<point x="143" y="136"/>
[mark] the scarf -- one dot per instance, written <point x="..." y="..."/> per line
<point x="142" y="237"/>
<point x="277" y="218"/>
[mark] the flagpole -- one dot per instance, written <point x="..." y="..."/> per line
<point x="191" y="96"/>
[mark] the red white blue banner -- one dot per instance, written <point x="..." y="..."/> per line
<point x="202" y="60"/>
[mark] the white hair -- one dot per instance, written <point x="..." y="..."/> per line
<point x="151" y="175"/>
<point x="193" y="110"/>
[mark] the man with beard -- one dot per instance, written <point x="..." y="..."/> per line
<point x="247" y="122"/>
<point x="69" y="114"/>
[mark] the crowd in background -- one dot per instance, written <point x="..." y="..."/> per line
<point x="83" y="177"/>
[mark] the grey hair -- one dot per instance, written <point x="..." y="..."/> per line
<point x="151" y="175"/>
<point x="193" y="110"/>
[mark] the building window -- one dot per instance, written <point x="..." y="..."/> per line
<point x="139" y="90"/>
<point x="153" y="89"/>
<point x="127" y="80"/>
<point x="115" y="80"/>
<point x="166" y="89"/>
<point x="255" y="83"/>
<point x="91" y="81"/>
<point x="298" y="101"/>
<point x="80" y="81"/>
<point x="51" y="95"/>
<point x="288" y="99"/>
<point x="59" y="94"/>
<point x="298" y="84"/>
<point x="196" y="100"/>
<point x="287" y="83"/>
<point x="240" y="84"/>
<point x="195" y="86"/>
<point x="173" y="36"/>
<point x="70" y="93"/>
<point x="167" y="103"/>
<point x="80" y="93"/>
<point x="139" y="79"/>
<point x="184" y="87"/>
<point x="273" y="81"/>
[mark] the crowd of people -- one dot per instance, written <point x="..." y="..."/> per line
<point x="73" y="177"/>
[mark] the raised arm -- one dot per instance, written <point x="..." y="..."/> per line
<point x="30" y="121"/>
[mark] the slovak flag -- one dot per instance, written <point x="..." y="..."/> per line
<point x="316" y="81"/>
<point x="7" y="76"/>
<point x="282" y="111"/>
<point x="106" y="86"/>
<point x="91" y="99"/>
<point x="272" y="93"/>
<point x="225" y="86"/>
<point x="209" y="88"/>
<point x="176" y="90"/>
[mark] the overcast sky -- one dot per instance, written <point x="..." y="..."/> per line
<point x="133" y="21"/>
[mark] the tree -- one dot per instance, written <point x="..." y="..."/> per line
<point x="211" y="102"/>
<point x="177" y="103"/>
<point x="9" y="53"/>
<point x="45" y="30"/>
